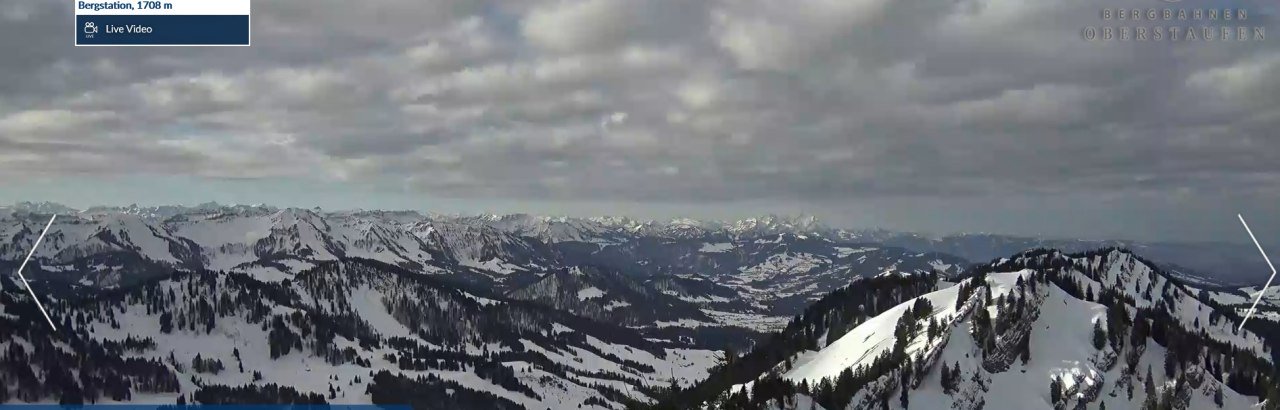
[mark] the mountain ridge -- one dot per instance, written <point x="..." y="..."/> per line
<point x="1215" y="263"/>
<point x="109" y="247"/>
<point x="1140" y="315"/>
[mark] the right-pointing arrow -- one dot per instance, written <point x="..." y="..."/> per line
<point x="1263" y="291"/>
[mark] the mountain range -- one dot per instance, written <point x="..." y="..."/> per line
<point x="233" y="304"/>
<point x="1042" y="329"/>
<point x="769" y="265"/>
<point x="400" y="233"/>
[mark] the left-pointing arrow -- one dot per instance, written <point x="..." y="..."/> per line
<point x="24" y="278"/>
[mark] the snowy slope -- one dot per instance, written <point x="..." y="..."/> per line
<point x="335" y="327"/>
<point x="1060" y="349"/>
<point x="1043" y="313"/>
<point x="270" y="244"/>
<point x="1142" y="283"/>
<point x="74" y="236"/>
<point x="484" y="247"/>
<point x="867" y="341"/>
<point x="1242" y="299"/>
<point x="382" y="237"/>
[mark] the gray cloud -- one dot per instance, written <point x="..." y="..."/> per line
<point x="617" y="100"/>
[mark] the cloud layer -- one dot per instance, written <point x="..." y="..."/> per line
<point x="659" y="100"/>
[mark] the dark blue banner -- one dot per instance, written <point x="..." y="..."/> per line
<point x="162" y="30"/>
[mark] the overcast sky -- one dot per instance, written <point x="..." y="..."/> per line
<point x="930" y="115"/>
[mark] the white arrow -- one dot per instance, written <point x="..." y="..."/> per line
<point x="24" y="278"/>
<point x="1273" y="272"/>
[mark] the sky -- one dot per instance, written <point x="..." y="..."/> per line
<point x="923" y="115"/>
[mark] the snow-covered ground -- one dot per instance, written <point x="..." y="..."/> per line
<point x="590" y="293"/>
<point x="716" y="247"/>
<point x="1060" y="347"/>
<point x="585" y="360"/>
<point x="864" y="343"/>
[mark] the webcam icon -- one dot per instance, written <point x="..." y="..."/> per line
<point x="90" y="27"/>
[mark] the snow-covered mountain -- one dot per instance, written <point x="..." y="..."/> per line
<point x="1044" y="329"/>
<point x="269" y="243"/>
<point x="239" y="227"/>
<point x="772" y="270"/>
<point x="764" y="269"/>
<point x="554" y="229"/>
<point x="221" y="304"/>
<point x="1213" y="264"/>
<point x="684" y="284"/>
<point x="485" y="247"/>
<point x="102" y="250"/>
<point x="339" y="332"/>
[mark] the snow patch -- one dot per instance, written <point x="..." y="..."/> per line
<point x="716" y="247"/>
<point x="590" y="293"/>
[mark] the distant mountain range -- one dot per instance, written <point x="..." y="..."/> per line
<point x="236" y="235"/>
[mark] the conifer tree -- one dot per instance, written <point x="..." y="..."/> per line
<point x="906" y="389"/>
<point x="1099" y="335"/>
<point x="1026" y="349"/>
<point x="982" y="326"/>
<point x="1170" y="362"/>
<point x="1055" y="390"/>
<point x="945" y="378"/>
